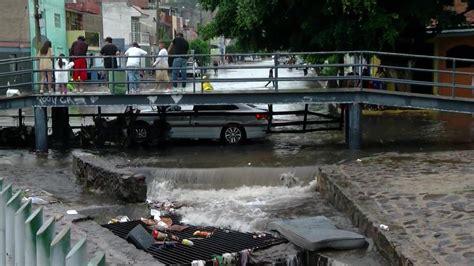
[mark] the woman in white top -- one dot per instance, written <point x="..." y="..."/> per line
<point x="61" y="73"/>
<point x="162" y="67"/>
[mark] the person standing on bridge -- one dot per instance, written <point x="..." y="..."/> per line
<point x="134" y="54"/>
<point x="109" y="51"/>
<point x="45" y="55"/>
<point x="179" y="46"/>
<point x="162" y="67"/>
<point x="78" y="51"/>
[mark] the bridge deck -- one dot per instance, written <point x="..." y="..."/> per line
<point x="347" y="95"/>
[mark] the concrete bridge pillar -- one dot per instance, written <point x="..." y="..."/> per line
<point x="353" y="126"/>
<point x="41" y="129"/>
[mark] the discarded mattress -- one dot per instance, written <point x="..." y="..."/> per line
<point x="315" y="233"/>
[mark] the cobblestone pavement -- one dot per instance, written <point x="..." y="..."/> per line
<point x="427" y="196"/>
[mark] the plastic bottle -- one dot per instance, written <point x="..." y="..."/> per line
<point x="202" y="234"/>
<point x="159" y="235"/>
<point x="187" y="242"/>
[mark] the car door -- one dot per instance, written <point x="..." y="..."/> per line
<point x="180" y="123"/>
<point x="208" y="120"/>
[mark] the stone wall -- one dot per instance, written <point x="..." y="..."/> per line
<point x="107" y="180"/>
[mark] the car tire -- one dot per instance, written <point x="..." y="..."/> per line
<point x="233" y="134"/>
<point x="140" y="132"/>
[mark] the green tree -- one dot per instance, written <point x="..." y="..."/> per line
<point x="310" y="25"/>
<point x="201" y="47"/>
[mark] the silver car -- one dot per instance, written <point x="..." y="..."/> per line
<point x="231" y="123"/>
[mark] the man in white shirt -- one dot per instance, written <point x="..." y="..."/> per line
<point x="133" y="63"/>
<point x="161" y="63"/>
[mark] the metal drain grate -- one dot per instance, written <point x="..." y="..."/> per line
<point x="222" y="241"/>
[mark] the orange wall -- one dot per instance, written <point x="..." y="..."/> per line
<point x="443" y="45"/>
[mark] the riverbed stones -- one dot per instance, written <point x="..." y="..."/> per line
<point x="424" y="198"/>
<point x="100" y="177"/>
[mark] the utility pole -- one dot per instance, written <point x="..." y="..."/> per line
<point x="37" y="25"/>
<point x="158" y="15"/>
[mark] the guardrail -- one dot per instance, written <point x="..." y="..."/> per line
<point x="401" y="72"/>
<point x="27" y="239"/>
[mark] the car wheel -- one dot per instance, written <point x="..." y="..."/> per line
<point x="233" y="134"/>
<point x="140" y="132"/>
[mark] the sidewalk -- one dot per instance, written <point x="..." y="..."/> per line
<point x="426" y="200"/>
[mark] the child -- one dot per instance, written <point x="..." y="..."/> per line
<point x="61" y="73"/>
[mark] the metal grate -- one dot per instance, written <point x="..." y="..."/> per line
<point x="222" y="241"/>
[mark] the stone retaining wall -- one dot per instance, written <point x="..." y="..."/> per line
<point x="108" y="180"/>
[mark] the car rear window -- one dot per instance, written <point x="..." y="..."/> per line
<point x="222" y="107"/>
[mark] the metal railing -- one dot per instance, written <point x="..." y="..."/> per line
<point x="402" y="72"/>
<point x="27" y="239"/>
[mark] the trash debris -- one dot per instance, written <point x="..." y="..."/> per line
<point x="72" y="212"/>
<point x="36" y="200"/>
<point x="149" y="222"/>
<point x="155" y="213"/>
<point x="177" y="228"/>
<point x="384" y="227"/>
<point x="198" y="263"/>
<point x="166" y="220"/>
<point x="119" y="219"/>
<point x="159" y="235"/>
<point x="202" y="234"/>
<point x="124" y="219"/>
<point x="187" y="242"/>
<point x="359" y="160"/>
<point x="249" y="164"/>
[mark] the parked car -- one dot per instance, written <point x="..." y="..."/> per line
<point x="232" y="123"/>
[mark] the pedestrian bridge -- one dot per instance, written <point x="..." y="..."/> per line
<point x="349" y="78"/>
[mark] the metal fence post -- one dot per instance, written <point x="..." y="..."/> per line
<point x="275" y="62"/>
<point x="60" y="246"/>
<point x="32" y="224"/>
<point x="20" y="217"/>
<point x="5" y="195"/>
<point x="98" y="260"/>
<point x="453" y="79"/>
<point x="44" y="236"/>
<point x="194" y="73"/>
<point x="12" y="206"/>
<point x="78" y="254"/>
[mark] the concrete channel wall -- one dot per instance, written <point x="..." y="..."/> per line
<point x="107" y="180"/>
<point x="27" y="239"/>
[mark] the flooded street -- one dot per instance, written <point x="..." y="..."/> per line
<point x="244" y="187"/>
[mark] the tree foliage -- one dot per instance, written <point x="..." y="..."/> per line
<point x="309" y="25"/>
<point x="200" y="47"/>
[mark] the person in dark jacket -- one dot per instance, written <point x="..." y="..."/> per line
<point x="78" y="52"/>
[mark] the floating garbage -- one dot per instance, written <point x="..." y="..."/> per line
<point x="72" y="212"/>
<point x="384" y="227"/>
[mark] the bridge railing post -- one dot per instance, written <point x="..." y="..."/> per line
<point x="453" y="79"/>
<point x="194" y="71"/>
<point x="275" y="77"/>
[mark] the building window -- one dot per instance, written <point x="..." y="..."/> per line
<point x="57" y="20"/>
